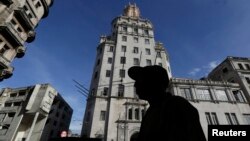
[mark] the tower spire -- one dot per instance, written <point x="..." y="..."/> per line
<point x="131" y="10"/>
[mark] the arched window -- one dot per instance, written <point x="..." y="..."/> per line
<point x="137" y="116"/>
<point x="130" y="114"/>
<point x="134" y="136"/>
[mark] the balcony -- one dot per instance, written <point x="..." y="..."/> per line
<point x="16" y="99"/>
<point x="23" y="18"/>
<point x="6" y="73"/>
<point x="20" y="51"/>
<point x="7" y="2"/>
<point x="11" y="34"/>
<point x="4" y="62"/>
<point x="9" y="109"/>
<point x="31" y="36"/>
<point x="46" y="8"/>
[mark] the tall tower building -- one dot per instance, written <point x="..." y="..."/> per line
<point x="18" y="20"/>
<point x="113" y="111"/>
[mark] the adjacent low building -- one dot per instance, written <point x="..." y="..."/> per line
<point x="33" y="113"/>
<point x="218" y="102"/>
<point x="18" y="20"/>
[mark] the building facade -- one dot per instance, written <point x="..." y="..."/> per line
<point x="18" y="20"/>
<point x="218" y="102"/>
<point x="112" y="101"/>
<point x="236" y="70"/>
<point x="114" y="112"/>
<point x="27" y="113"/>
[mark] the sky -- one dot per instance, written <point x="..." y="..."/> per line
<point x="197" y="34"/>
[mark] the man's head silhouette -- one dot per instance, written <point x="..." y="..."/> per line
<point x="150" y="81"/>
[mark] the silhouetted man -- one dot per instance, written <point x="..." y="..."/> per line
<point x="169" y="118"/>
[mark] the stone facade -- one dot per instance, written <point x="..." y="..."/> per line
<point x="30" y="113"/>
<point x="217" y="102"/>
<point x="18" y="20"/>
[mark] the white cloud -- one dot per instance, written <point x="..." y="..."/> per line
<point x="205" y="69"/>
<point x="211" y="65"/>
<point x="194" y="71"/>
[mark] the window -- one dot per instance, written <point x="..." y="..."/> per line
<point x="124" y="48"/>
<point x="108" y="72"/>
<point x="120" y="90"/>
<point x="123" y="60"/>
<point x="110" y="60"/>
<point x="103" y="115"/>
<point x="105" y="91"/>
<point x="4" y="49"/>
<point x="111" y="48"/>
<point x="247" y="66"/>
<point x="124" y="28"/>
<point x="214" y="119"/>
<point x="148" y="51"/>
<point x="17" y="103"/>
<point x="124" y="38"/>
<point x="98" y="62"/>
<point x="130" y="114"/>
<point x="93" y="91"/>
<point x="137" y="114"/>
<point x="8" y="104"/>
<point x="22" y="93"/>
<point x="96" y="74"/>
<point x="186" y="93"/>
<point x="100" y="50"/>
<point x="135" y="30"/>
<point x="122" y="73"/>
<point x="13" y="95"/>
<point x="38" y="4"/>
<point x="148" y="62"/>
<point x="225" y="70"/>
<point x="248" y="80"/>
<point x="27" y="11"/>
<point x="238" y="96"/>
<point x="234" y="119"/>
<point x="211" y="118"/>
<point x="221" y="95"/>
<point x="231" y="119"/>
<point x="136" y="61"/>
<point x="158" y="54"/>
<point x="203" y="94"/>
<point x="247" y="117"/>
<point x="136" y="50"/>
<point x="147" y="41"/>
<point x="136" y="39"/>
<point x="146" y="31"/>
<point x="208" y="117"/>
<point x="240" y="66"/>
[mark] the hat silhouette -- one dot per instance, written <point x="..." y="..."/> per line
<point x="155" y="74"/>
